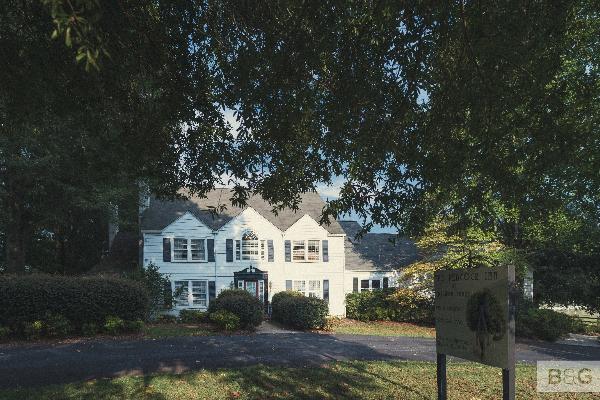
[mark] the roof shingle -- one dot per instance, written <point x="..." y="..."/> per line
<point x="376" y="251"/>
<point x="161" y="213"/>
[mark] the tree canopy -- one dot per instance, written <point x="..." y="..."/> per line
<point x="481" y="111"/>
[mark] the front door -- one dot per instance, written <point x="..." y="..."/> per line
<point x="251" y="287"/>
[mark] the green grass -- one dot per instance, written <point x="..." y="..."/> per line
<point x="382" y="328"/>
<point x="342" y="380"/>
<point x="169" y="330"/>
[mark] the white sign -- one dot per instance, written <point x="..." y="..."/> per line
<point x="472" y="315"/>
<point x="568" y="376"/>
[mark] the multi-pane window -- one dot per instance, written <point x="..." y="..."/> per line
<point x="191" y="293"/>
<point x="198" y="249"/>
<point x="373" y="284"/>
<point x="314" y="288"/>
<point x="306" y="250"/>
<point x="300" y="286"/>
<point x="189" y="249"/>
<point x="298" y="250"/>
<point x="180" y="291"/>
<point x="199" y="293"/>
<point x="313" y="250"/>
<point x="180" y="249"/>
<point x="238" y="249"/>
<point x="249" y="246"/>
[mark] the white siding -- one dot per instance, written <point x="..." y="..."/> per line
<point x="279" y="271"/>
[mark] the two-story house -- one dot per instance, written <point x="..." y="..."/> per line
<point x="206" y="245"/>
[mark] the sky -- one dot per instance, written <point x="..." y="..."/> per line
<point x="327" y="192"/>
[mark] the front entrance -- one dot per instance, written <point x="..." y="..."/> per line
<point x="255" y="287"/>
<point x="254" y="281"/>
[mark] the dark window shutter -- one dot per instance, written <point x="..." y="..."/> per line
<point x="288" y="285"/>
<point x="167" y="249"/>
<point x="288" y="251"/>
<point x="325" y="250"/>
<point x="229" y="250"/>
<point x="271" y="253"/>
<point x="386" y="283"/>
<point x="167" y="294"/>
<point x="326" y="290"/>
<point x="238" y="249"/>
<point x="210" y="245"/>
<point x="355" y="284"/>
<point x="212" y="291"/>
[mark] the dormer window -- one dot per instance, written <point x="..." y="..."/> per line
<point x="250" y="246"/>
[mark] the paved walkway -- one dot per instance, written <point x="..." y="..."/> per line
<point x="37" y="365"/>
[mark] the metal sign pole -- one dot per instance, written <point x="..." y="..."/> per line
<point x="441" y="376"/>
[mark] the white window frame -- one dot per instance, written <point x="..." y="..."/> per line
<point x="251" y="245"/>
<point x="189" y="250"/>
<point x="299" y="286"/>
<point x="305" y="244"/>
<point x="190" y="295"/>
<point x="370" y="288"/>
<point x="314" y="289"/>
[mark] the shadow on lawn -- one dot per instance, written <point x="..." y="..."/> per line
<point x="261" y="355"/>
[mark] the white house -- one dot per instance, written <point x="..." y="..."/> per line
<point x="206" y="245"/>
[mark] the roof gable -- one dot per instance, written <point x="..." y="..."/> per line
<point x="215" y="210"/>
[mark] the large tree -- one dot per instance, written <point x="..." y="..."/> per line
<point x="484" y="111"/>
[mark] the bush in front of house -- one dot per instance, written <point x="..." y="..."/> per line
<point x="4" y="332"/>
<point x="115" y="325"/>
<point x="166" y="319"/>
<point x="38" y="305"/>
<point x="297" y="311"/>
<point x="192" y="316"/>
<point x="393" y="304"/>
<point x="539" y="323"/>
<point x="225" y="320"/>
<point x="247" y="307"/>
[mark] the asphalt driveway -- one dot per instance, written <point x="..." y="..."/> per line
<point x="61" y="363"/>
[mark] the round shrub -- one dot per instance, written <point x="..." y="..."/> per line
<point x="80" y="300"/>
<point x="295" y="310"/>
<point x="241" y="303"/>
<point x="225" y="320"/>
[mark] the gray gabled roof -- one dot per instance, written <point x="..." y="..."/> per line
<point x="376" y="251"/>
<point x="161" y="213"/>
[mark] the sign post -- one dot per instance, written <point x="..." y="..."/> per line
<point x="474" y="320"/>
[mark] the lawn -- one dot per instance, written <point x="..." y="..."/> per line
<point x="341" y="380"/>
<point x="382" y="328"/>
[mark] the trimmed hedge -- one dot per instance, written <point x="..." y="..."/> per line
<point x="295" y="310"/>
<point x="248" y="308"/>
<point x="80" y="300"/>
<point x="539" y="323"/>
<point x="400" y="305"/>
